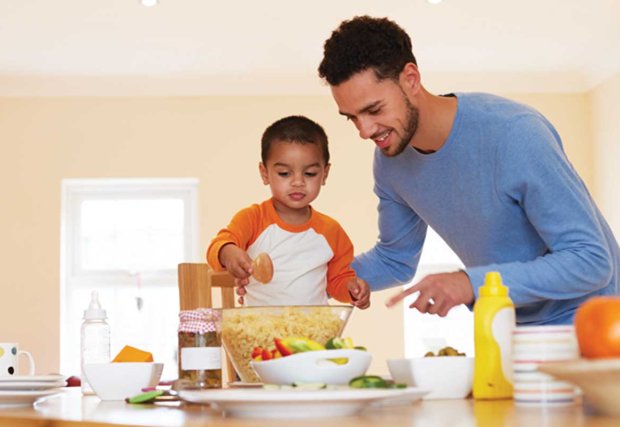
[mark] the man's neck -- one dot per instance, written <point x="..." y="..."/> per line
<point x="435" y="122"/>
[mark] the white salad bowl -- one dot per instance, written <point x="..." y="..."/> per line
<point x="320" y="366"/>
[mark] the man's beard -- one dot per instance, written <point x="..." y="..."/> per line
<point x="409" y="129"/>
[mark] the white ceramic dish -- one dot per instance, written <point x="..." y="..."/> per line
<point x="290" y="404"/>
<point x="32" y="385"/>
<point x="241" y="384"/>
<point x="446" y="377"/>
<point x="550" y="392"/>
<point x="116" y="381"/>
<point x="314" y="366"/>
<point x="9" y="399"/>
<point x="35" y="378"/>
<point x="599" y="380"/>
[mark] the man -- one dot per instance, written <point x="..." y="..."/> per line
<point x="487" y="174"/>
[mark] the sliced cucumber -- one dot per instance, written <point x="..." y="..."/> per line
<point x="368" y="381"/>
<point x="271" y="387"/>
<point x="309" y="386"/>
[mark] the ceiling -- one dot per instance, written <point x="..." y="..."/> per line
<point x="99" y="47"/>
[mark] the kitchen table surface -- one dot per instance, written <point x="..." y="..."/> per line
<point x="71" y="409"/>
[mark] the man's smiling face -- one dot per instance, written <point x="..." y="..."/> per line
<point x="379" y="109"/>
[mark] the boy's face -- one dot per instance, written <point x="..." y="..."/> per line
<point x="295" y="173"/>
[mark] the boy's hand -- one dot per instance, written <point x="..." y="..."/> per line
<point x="360" y="293"/>
<point x="236" y="260"/>
<point x="241" y="291"/>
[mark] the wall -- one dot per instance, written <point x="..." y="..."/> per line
<point x="606" y="147"/>
<point x="213" y="138"/>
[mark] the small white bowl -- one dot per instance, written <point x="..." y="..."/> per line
<point x="314" y="367"/>
<point x="446" y="377"/>
<point x="117" y="381"/>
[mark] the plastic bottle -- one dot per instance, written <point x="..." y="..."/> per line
<point x="95" y="338"/>
<point x="494" y="321"/>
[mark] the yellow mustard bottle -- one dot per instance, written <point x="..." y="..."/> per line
<point x="494" y="321"/>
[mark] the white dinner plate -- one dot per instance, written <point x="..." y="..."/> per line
<point x="242" y="384"/>
<point x="32" y="378"/>
<point x="31" y="385"/>
<point x="261" y="403"/>
<point x="24" y="398"/>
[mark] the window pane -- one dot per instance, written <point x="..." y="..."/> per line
<point x="135" y="235"/>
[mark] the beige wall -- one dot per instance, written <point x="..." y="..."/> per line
<point x="213" y="138"/>
<point x="606" y="145"/>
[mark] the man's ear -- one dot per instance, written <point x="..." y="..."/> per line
<point x="410" y="78"/>
<point x="262" y="169"/>
<point x="327" y="166"/>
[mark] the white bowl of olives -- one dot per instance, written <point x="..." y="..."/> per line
<point x="447" y="374"/>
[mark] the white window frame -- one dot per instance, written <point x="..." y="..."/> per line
<point x="424" y="332"/>
<point x="74" y="192"/>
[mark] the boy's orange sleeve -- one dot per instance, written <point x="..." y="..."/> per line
<point x="241" y="231"/>
<point x="339" y="271"/>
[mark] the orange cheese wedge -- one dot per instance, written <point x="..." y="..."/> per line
<point x="132" y="354"/>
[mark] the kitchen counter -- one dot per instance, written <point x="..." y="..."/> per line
<point x="71" y="409"/>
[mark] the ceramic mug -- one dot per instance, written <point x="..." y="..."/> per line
<point x="9" y="358"/>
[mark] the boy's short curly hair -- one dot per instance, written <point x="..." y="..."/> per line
<point x="365" y="42"/>
<point x="298" y="129"/>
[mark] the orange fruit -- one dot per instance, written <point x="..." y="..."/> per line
<point x="597" y="325"/>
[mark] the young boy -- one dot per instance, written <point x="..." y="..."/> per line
<point x="310" y="251"/>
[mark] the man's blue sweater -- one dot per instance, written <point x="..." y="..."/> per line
<point x="504" y="197"/>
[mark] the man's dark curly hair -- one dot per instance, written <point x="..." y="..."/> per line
<point x="298" y="129"/>
<point x="362" y="43"/>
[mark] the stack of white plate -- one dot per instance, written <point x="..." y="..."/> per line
<point x="533" y="346"/>
<point x="25" y="390"/>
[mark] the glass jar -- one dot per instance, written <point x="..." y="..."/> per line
<point x="200" y="349"/>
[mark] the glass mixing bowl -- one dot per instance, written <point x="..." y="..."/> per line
<point x="244" y="328"/>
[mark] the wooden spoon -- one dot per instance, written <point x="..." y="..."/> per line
<point x="262" y="269"/>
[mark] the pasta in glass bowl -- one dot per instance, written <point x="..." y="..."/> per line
<point x="245" y="328"/>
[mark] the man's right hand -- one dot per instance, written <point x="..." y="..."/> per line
<point x="438" y="293"/>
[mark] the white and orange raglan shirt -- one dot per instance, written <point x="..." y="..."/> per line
<point x="311" y="261"/>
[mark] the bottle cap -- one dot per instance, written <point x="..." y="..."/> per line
<point x="493" y="286"/>
<point x="94" y="310"/>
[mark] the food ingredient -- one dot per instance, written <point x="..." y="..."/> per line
<point x="132" y="354"/>
<point x="200" y="348"/>
<point x="374" y="381"/>
<point x="262" y="268"/>
<point x="74" y="381"/>
<point x="145" y="397"/>
<point x="292" y="345"/>
<point x="597" y="326"/>
<point x="445" y="351"/>
<point x="243" y="331"/>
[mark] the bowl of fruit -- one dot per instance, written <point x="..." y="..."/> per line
<point x="300" y="361"/>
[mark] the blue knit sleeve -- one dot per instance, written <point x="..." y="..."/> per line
<point x="394" y="258"/>
<point x="532" y="171"/>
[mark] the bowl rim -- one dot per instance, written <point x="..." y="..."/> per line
<point x="123" y="363"/>
<point x="411" y="360"/>
<point x="336" y="353"/>
<point x="340" y="306"/>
